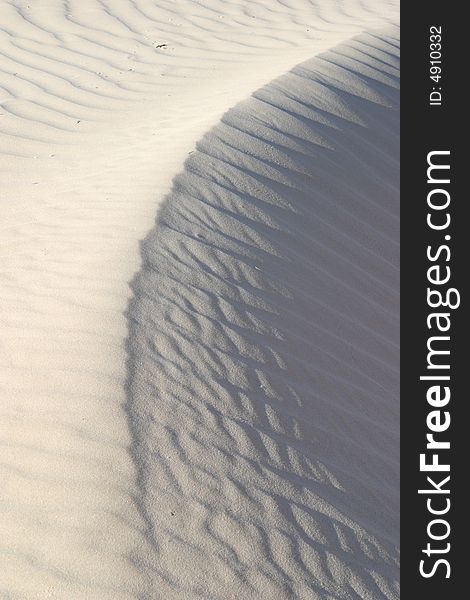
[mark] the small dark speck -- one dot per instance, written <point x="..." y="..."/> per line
<point x="78" y="121"/>
<point x="172" y="513"/>
<point x="161" y="46"/>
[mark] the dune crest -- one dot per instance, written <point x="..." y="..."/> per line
<point x="263" y="372"/>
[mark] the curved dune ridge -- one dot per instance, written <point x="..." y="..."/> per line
<point x="263" y="370"/>
<point x="101" y="101"/>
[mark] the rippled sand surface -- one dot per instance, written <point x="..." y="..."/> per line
<point x="226" y="425"/>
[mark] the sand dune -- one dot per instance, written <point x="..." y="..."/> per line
<point x="264" y="344"/>
<point x="100" y="103"/>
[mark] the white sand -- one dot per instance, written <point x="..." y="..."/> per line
<point x="270" y="431"/>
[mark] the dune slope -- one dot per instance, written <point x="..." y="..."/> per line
<point x="263" y="348"/>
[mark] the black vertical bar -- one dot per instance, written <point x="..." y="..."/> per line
<point x="428" y="127"/>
